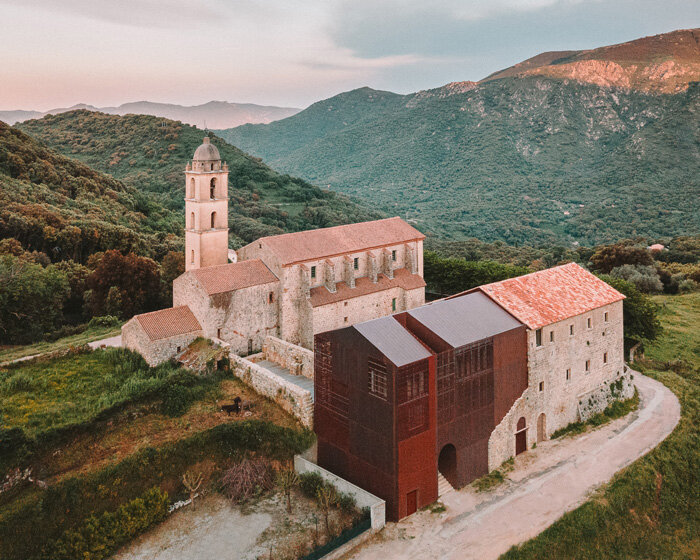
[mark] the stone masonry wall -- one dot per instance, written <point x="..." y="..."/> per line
<point x="551" y="400"/>
<point x="298" y="360"/>
<point x="154" y="351"/>
<point x="290" y="397"/>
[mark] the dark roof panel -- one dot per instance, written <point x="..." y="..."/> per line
<point x="391" y="339"/>
<point x="465" y="319"/>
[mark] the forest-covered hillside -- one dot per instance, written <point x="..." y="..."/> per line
<point x="149" y="154"/>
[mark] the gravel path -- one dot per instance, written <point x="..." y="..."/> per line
<point x="548" y="481"/>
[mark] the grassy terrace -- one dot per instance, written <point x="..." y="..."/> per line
<point x="652" y="508"/>
<point x="9" y="353"/>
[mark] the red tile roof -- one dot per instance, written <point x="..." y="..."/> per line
<point x="168" y="322"/>
<point x="234" y="276"/>
<point x="551" y="295"/>
<point x="363" y="286"/>
<point x="316" y="244"/>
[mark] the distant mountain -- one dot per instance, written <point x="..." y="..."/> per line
<point x="523" y="156"/>
<point x="664" y="63"/>
<point x="149" y="155"/>
<point x="215" y="114"/>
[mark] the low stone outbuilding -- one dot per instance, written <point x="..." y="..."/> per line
<point x="160" y="335"/>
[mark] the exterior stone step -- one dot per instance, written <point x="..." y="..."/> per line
<point x="443" y="485"/>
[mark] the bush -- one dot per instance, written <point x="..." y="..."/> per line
<point x="645" y="278"/>
<point x="100" y="536"/>
<point x="248" y="479"/>
<point x="176" y="400"/>
<point x="309" y="483"/>
<point x="104" y="321"/>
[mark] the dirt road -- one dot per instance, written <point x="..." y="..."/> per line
<point x="547" y="482"/>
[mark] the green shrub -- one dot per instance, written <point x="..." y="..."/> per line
<point x="100" y="536"/>
<point x="345" y="502"/>
<point x="309" y="483"/>
<point x="104" y="321"/>
<point x="176" y="400"/>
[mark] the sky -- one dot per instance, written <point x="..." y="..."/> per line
<point x="55" y="53"/>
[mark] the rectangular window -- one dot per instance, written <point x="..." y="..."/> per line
<point x="393" y="255"/>
<point x="571" y="330"/>
<point x="271" y="297"/>
<point x="393" y="304"/>
<point x="588" y="322"/>
<point x="588" y="365"/>
<point x="376" y="378"/>
<point x="606" y="316"/>
<point x="218" y="334"/>
<point x="346" y="319"/>
<point x="605" y="357"/>
<point x="551" y="336"/>
<point x="568" y="374"/>
<point x="541" y="386"/>
<point x="313" y="272"/>
<point x="356" y="263"/>
<point x="538" y="337"/>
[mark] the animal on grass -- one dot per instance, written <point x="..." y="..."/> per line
<point x="229" y="408"/>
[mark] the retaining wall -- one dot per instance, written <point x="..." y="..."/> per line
<point x="298" y="360"/>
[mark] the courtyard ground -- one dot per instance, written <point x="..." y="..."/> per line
<point x="545" y="483"/>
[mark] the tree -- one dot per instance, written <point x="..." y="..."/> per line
<point x="325" y="497"/>
<point x="172" y="266"/>
<point x="287" y="479"/>
<point x="612" y="256"/>
<point x="639" y="311"/>
<point x="645" y="278"/>
<point x="192" y="481"/>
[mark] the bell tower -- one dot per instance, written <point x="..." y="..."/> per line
<point x="206" y="208"/>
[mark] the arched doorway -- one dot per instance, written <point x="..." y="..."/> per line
<point x="521" y="436"/>
<point x="541" y="427"/>
<point x="447" y="463"/>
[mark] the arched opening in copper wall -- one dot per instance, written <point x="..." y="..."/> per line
<point x="447" y="463"/>
<point x="521" y="436"/>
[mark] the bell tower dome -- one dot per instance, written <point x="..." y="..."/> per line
<point x="206" y="208"/>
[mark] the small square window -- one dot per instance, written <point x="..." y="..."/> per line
<point x="606" y="317"/>
<point x="393" y="255"/>
<point x="588" y="322"/>
<point x="345" y="304"/>
<point x="313" y="272"/>
<point x="551" y="336"/>
<point x="541" y="386"/>
<point x="179" y="348"/>
<point x="605" y="357"/>
<point x="393" y="304"/>
<point x="571" y="330"/>
<point x="345" y="319"/>
<point x="588" y="365"/>
<point x="538" y="337"/>
<point x="568" y="374"/>
<point x="356" y="263"/>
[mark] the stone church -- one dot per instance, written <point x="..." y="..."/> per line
<point x="291" y="286"/>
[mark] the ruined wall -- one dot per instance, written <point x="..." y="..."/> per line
<point x="558" y="397"/>
<point x="290" y="397"/>
<point x="154" y="351"/>
<point x="298" y="360"/>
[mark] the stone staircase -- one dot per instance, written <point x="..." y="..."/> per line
<point x="443" y="485"/>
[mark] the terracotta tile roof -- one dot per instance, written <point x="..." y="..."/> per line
<point x="363" y="286"/>
<point x="551" y="295"/>
<point x="317" y="244"/>
<point x="168" y="322"/>
<point x="234" y="276"/>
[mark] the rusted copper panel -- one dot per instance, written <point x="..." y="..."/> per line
<point x="510" y="370"/>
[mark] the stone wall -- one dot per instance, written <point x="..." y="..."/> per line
<point x="363" y="499"/>
<point x="154" y="351"/>
<point x="601" y="397"/>
<point x="290" y="397"/>
<point x="551" y="400"/>
<point x="298" y="360"/>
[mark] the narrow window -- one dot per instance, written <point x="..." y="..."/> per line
<point x="393" y="255"/>
<point x="541" y="386"/>
<point x="345" y="319"/>
<point x="356" y="263"/>
<point x="212" y="189"/>
<point x="588" y="365"/>
<point x="606" y="316"/>
<point x="571" y="330"/>
<point x="376" y="378"/>
<point x="588" y="322"/>
<point x="271" y="297"/>
<point x="551" y="336"/>
<point x="250" y="346"/>
<point x="218" y="334"/>
<point x="605" y="357"/>
<point x="313" y="272"/>
<point x="211" y="167"/>
<point x="345" y="304"/>
<point x="191" y="194"/>
<point x="179" y="349"/>
<point x="213" y="219"/>
<point x="538" y="337"/>
<point x="393" y="304"/>
<point x="192" y="257"/>
<point x="192" y="220"/>
<point x="568" y="374"/>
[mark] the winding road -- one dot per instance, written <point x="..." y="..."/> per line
<point x="548" y="481"/>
